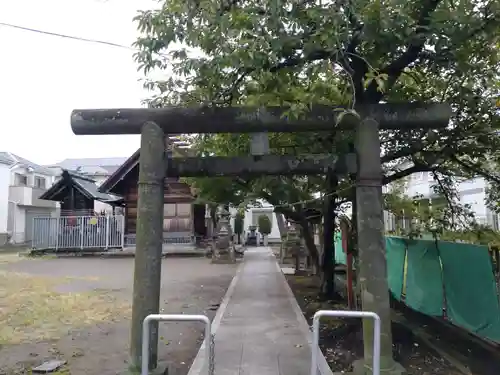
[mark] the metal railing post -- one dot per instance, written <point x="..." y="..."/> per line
<point x="107" y="232"/>
<point x="82" y="221"/>
<point x="122" y="234"/>
<point x="58" y="225"/>
<point x="174" y="318"/>
<point x="345" y="314"/>
<point x="32" y="232"/>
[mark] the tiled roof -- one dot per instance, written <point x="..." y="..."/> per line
<point x="128" y="165"/>
<point x="89" y="186"/>
<point x="84" y="183"/>
<point x="11" y="159"/>
<point x="74" y="164"/>
<point x="5" y="160"/>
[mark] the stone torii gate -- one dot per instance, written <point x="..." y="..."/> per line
<point x="153" y="124"/>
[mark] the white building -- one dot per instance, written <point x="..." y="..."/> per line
<point x="21" y="184"/>
<point x="251" y="219"/>
<point x="471" y="192"/>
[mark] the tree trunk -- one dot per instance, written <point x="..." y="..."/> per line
<point x="310" y="245"/>
<point x="281" y="224"/>
<point x="213" y="217"/>
<point x="283" y="232"/>
<point x="352" y="242"/>
<point x="327" y="290"/>
<point x="300" y="218"/>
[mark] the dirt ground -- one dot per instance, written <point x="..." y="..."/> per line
<point x="78" y="310"/>
<point x="341" y="340"/>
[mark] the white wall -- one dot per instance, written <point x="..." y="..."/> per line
<point x="4" y="196"/>
<point x="472" y="192"/>
<point x="419" y="184"/>
<point x="49" y="179"/>
<point x="100" y="206"/>
<point x="18" y="232"/>
<point x="7" y="179"/>
<point x="274" y="236"/>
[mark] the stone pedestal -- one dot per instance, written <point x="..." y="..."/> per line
<point x="223" y="248"/>
<point x="387" y="367"/>
<point x="293" y="248"/>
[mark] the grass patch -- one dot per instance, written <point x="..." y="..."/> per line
<point x="10" y="258"/>
<point x="31" y="309"/>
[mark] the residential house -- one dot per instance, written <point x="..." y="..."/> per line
<point x="21" y="184"/>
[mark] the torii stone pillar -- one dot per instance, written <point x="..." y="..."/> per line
<point x="147" y="265"/>
<point x="373" y="286"/>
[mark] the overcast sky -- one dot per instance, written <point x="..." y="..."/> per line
<point x="43" y="78"/>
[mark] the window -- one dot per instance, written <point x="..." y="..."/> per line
<point x="183" y="209"/>
<point x="420" y="176"/>
<point x="40" y="182"/>
<point x="176" y="209"/>
<point x="169" y="209"/>
<point x="21" y="180"/>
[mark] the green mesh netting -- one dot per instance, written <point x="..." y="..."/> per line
<point x="395" y="251"/>
<point x="464" y="269"/>
<point x="424" y="279"/>
<point x="470" y="289"/>
<point x="340" y="256"/>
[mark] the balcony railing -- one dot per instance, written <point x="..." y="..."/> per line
<point x="29" y="196"/>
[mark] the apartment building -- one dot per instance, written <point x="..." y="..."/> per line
<point x="471" y="192"/>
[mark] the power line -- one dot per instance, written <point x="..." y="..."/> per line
<point x="81" y="39"/>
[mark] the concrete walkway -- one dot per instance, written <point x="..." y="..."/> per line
<point x="261" y="330"/>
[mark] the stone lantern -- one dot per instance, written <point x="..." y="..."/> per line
<point x="223" y="246"/>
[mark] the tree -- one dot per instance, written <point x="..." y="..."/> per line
<point x="238" y="224"/>
<point x="265" y="226"/>
<point x="350" y="53"/>
<point x="300" y="53"/>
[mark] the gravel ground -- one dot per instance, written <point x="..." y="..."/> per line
<point x="342" y="340"/>
<point x="189" y="285"/>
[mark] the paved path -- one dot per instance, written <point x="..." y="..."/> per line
<point x="260" y="332"/>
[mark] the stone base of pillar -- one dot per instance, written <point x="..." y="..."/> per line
<point x="360" y="367"/>
<point x="223" y="256"/>
<point x="223" y="259"/>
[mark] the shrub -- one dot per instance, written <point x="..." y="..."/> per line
<point x="265" y="224"/>
<point x="238" y="223"/>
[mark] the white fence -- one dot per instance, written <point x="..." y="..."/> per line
<point x="169" y="238"/>
<point x="78" y="232"/>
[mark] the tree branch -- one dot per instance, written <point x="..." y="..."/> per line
<point x="394" y="69"/>
<point x="404" y="173"/>
<point x="289" y="62"/>
<point x="358" y="67"/>
<point x="414" y="148"/>
<point x="475" y="169"/>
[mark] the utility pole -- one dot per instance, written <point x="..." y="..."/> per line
<point x="149" y="241"/>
